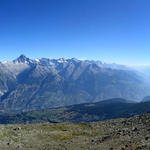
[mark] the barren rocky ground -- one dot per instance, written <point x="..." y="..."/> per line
<point x="117" y="134"/>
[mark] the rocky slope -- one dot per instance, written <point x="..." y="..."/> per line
<point x="118" y="134"/>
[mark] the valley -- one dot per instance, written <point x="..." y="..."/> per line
<point x="72" y="104"/>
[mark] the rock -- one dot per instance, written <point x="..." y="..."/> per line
<point x="134" y="129"/>
<point x="105" y="138"/>
<point x="147" y="137"/>
<point x="17" y="128"/>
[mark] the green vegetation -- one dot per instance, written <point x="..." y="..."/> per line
<point x="110" y="109"/>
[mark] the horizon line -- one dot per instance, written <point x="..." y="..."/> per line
<point x="80" y="59"/>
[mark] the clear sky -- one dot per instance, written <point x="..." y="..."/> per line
<point x="109" y="30"/>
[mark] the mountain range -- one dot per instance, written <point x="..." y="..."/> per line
<point x="27" y="84"/>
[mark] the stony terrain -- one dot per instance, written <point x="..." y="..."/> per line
<point x="118" y="134"/>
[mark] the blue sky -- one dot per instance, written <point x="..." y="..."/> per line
<point x="109" y="30"/>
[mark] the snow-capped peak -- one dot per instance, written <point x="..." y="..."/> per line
<point x="22" y="59"/>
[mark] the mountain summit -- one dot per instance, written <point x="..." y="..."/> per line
<point x="22" y="59"/>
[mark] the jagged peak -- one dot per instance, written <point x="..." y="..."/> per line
<point x="22" y="56"/>
<point x="61" y="60"/>
<point x="22" y="59"/>
<point x="75" y="59"/>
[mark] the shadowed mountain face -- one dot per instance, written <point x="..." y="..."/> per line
<point x="89" y="112"/>
<point x="146" y="99"/>
<point x="27" y="84"/>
